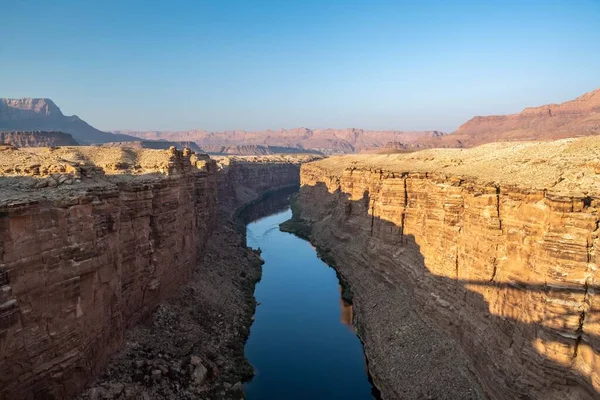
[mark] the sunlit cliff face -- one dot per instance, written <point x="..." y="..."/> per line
<point x="509" y="271"/>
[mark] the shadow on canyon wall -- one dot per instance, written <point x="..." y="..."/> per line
<point x="529" y="351"/>
<point x="271" y="203"/>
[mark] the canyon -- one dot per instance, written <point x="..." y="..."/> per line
<point x="124" y="273"/>
<point x="471" y="271"/>
<point x="96" y="241"/>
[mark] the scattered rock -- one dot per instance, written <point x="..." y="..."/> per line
<point x="200" y="374"/>
<point x="238" y="387"/>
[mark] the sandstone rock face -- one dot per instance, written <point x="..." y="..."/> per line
<point x="495" y="248"/>
<point x="81" y="262"/>
<point x="37" y="139"/>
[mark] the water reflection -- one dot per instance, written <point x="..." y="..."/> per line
<point x="347" y="313"/>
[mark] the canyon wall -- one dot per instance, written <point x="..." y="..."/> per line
<point x="92" y="239"/>
<point x="244" y="180"/>
<point x="494" y="247"/>
<point x="90" y="243"/>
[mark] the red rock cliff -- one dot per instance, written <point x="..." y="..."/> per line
<point x="91" y="240"/>
<point x="494" y="247"/>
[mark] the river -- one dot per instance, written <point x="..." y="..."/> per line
<point x="302" y="343"/>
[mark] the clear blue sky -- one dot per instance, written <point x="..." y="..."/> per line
<point x="249" y="64"/>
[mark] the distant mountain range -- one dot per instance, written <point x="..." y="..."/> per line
<point x="350" y="140"/>
<point x="579" y="117"/>
<point x="44" y="115"/>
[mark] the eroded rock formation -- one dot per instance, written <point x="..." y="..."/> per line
<point x="494" y="247"/>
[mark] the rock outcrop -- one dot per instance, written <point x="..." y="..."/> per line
<point x="493" y="247"/>
<point x="89" y="253"/>
<point x="37" y="139"/>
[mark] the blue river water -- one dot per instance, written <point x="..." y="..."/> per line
<point x="302" y="343"/>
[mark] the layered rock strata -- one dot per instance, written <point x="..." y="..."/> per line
<point x="470" y="268"/>
<point x="204" y="326"/>
<point x="91" y="241"/>
<point x="37" y="139"/>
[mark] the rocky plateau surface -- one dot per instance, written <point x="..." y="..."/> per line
<point x="473" y="272"/>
